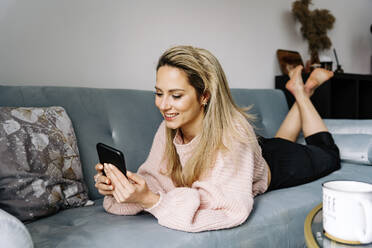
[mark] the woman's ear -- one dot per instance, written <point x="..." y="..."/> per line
<point x="205" y="98"/>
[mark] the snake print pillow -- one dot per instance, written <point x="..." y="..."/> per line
<point x="40" y="169"/>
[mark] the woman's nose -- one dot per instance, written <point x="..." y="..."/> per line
<point x="164" y="104"/>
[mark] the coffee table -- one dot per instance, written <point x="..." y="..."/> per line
<point x="314" y="234"/>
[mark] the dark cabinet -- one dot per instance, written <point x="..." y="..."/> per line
<point x="344" y="96"/>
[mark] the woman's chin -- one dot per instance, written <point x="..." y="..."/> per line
<point x="171" y="124"/>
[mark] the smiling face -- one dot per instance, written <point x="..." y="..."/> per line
<point x="178" y="102"/>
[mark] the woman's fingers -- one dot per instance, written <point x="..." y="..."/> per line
<point x="123" y="188"/>
<point x="103" y="184"/>
<point x="117" y="197"/>
<point x="106" y="187"/>
<point x="99" y="167"/>
<point x="102" y="179"/>
<point x="105" y="192"/>
<point x="135" y="177"/>
<point x="115" y="174"/>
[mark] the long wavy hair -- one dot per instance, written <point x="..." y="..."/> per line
<point x="223" y="120"/>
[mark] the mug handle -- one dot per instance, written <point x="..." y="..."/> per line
<point x="366" y="237"/>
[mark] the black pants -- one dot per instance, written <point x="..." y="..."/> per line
<point x="293" y="164"/>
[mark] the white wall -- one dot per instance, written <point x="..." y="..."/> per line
<point x="116" y="43"/>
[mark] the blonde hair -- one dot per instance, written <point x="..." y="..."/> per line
<point x="223" y="120"/>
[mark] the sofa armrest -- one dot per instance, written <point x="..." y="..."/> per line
<point x="355" y="148"/>
<point x="13" y="233"/>
<point x="347" y="126"/>
<point x="353" y="138"/>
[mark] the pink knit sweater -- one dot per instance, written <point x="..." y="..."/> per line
<point x="222" y="199"/>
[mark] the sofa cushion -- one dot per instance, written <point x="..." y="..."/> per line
<point x="122" y="118"/>
<point x="268" y="106"/>
<point x="355" y="148"/>
<point x="354" y="138"/>
<point x="40" y="170"/>
<point x="13" y="233"/>
<point x="349" y="126"/>
<point x="277" y="220"/>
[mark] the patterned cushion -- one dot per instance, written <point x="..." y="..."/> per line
<point x="40" y="169"/>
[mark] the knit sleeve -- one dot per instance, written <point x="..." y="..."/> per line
<point x="223" y="200"/>
<point x="113" y="207"/>
<point x="154" y="180"/>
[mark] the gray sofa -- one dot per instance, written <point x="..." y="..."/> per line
<point x="128" y="119"/>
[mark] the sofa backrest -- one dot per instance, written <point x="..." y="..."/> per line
<point x="127" y="119"/>
<point x="268" y="105"/>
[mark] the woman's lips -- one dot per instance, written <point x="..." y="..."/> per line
<point x="170" y="116"/>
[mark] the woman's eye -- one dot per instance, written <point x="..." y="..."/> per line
<point x="158" y="94"/>
<point x="176" y="96"/>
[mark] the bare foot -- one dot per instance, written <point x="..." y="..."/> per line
<point x="295" y="85"/>
<point x="317" y="78"/>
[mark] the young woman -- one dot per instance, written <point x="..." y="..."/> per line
<point x="206" y="165"/>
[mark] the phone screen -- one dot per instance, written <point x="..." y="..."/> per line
<point x="108" y="154"/>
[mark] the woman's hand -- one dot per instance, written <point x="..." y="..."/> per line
<point x="133" y="189"/>
<point x="103" y="183"/>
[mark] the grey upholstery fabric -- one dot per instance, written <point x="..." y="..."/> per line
<point x="268" y="106"/>
<point x="353" y="138"/>
<point x="125" y="119"/>
<point x="128" y="119"/>
<point x="13" y="234"/>
<point x="276" y="221"/>
<point x="352" y="151"/>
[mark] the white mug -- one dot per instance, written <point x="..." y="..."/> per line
<point x="347" y="211"/>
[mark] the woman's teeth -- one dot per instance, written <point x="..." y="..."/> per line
<point x="170" y="115"/>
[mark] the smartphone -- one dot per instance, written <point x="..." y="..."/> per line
<point x="108" y="154"/>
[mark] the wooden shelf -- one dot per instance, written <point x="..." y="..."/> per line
<point x="344" y="96"/>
